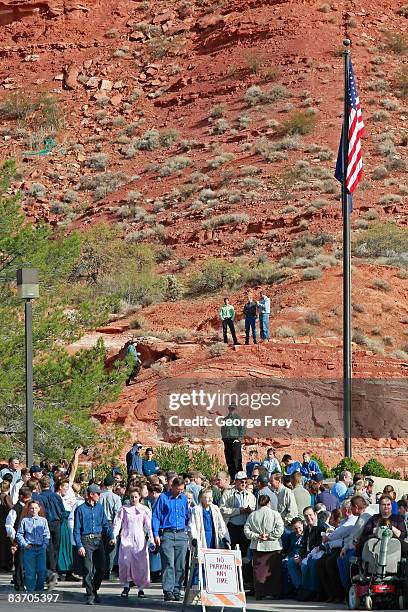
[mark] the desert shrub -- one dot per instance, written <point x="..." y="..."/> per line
<point x="361" y="224"/>
<point x="173" y="164"/>
<point x="396" y="42"/>
<point x="379" y="173"/>
<point x="250" y="170"/>
<point x="148" y="142"/>
<point x="300" y="123"/>
<point x="381" y="284"/>
<point x="389" y="104"/>
<point x="217" y="111"/>
<point x="102" y="183"/>
<point x="379" y="85"/>
<point x="371" y="215"/>
<point x="70" y="196"/>
<point x="205" y="463"/>
<point x="396" y="163"/>
<point x="133" y="196"/>
<point x="312" y="274"/>
<point x="228" y="219"/>
<point x="219" y="160"/>
<point x="324" y="8"/>
<point x="382" y="240"/>
<point x="401" y="81"/>
<point x="313" y="318"/>
<point x="250" y="244"/>
<point x="254" y="61"/>
<point x="285" y="332"/>
<point x="38" y="190"/>
<point x="255" y="95"/>
<point x="98" y="161"/>
<point x="390" y="198"/>
<point x="243" y="121"/>
<point x="17" y="105"/>
<point x="138" y="322"/>
<point x="220" y="127"/>
<point x="168" y="137"/>
<point x="159" y="47"/>
<point x="146" y="234"/>
<point x="217" y="349"/>
<point x="380" y="115"/>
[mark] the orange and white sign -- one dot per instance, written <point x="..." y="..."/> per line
<point x="222" y="585"/>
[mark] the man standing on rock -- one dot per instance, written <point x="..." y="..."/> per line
<point x="227" y="316"/>
<point x="264" y="307"/>
<point x="232" y="434"/>
<point x="250" y="318"/>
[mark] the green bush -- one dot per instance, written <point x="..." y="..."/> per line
<point x="175" y="457"/>
<point x="326" y="471"/>
<point x="373" y="467"/>
<point x="179" y="459"/>
<point x="205" y="463"/>
<point x="351" y="465"/>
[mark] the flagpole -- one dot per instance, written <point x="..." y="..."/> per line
<point x="347" y="353"/>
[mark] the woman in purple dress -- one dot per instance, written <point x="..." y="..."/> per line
<point x="134" y="523"/>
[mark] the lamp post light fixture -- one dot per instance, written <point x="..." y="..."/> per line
<point x="27" y="290"/>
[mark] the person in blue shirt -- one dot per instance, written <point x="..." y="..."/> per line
<point x="264" y="309"/>
<point x="339" y="489"/>
<point x="291" y="543"/>
<point x="91" y="526"/>
<point x="271" y="462"/>
<point x="169" y="523"/>
<point x="252" y="463"/>
<point x="33" y="536"/>
<point x="134" y="462"/>
<point x="149" y="465"/>
<point x="310" y="467"/>
<point x="290" y="466"/>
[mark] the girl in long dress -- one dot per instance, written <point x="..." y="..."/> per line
<point x="134" y="523"/>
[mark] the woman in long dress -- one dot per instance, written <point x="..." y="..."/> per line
<point x="134" y="523"/>
<point x="264" y="529"/>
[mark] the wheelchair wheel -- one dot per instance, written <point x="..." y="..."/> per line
<point x="401" y="602"/>
<point x="368" y="603"/>
<point x="353" y="602"/>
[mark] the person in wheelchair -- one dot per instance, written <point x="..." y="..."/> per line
<point x="378" y="574"/>
<point x="384" y="518"/>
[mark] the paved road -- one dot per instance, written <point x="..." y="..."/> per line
<point x="71" y="599"/>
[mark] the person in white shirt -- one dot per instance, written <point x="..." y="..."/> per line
<point x="264" y="309"/>
<point x="236" y="505"/>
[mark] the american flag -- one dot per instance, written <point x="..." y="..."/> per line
<point x="356" y="131"/>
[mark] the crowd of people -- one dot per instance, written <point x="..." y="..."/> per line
<point x="296" y="532"/>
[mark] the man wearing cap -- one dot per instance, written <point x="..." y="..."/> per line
<point x="232" y="433"/>
<point x="134" y="462"/>
<point x="90" y="526"/>
<point x="111" y="504"/>
<point x="236" y="505"/>
<point x="169" y="524"/>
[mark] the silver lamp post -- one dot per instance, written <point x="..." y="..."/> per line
<point x="28" y="290"/>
